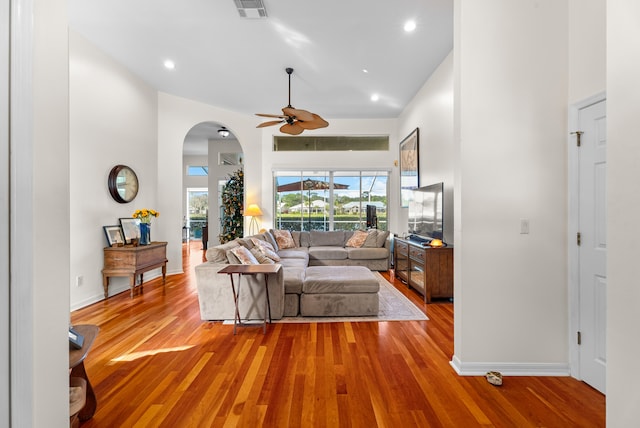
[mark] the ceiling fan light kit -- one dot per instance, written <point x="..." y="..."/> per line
<point x="297" y="120"/>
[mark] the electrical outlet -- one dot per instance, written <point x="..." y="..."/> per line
<point x="79" y="280"/>
<point x="524" y="226"/>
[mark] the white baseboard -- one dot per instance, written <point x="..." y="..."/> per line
<point x="510" y="369"/>
<point x="117" y="289"/>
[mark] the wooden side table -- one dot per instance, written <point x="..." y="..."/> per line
<point x="250" y="270"/>
<point x="76" y="364"/>
<point x="133" y="261"/>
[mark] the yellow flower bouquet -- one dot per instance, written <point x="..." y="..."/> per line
<point x="145" y="215"/>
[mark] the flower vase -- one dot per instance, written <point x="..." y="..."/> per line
<point x="145" y="233"/>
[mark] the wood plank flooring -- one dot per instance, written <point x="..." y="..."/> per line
<point x="156" y="364"/>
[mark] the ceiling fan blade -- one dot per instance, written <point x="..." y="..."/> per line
<point x="271" y="115"/>
<point x="292" y="129"/>
<point x="269" y="123"/>
<point x="298" y="113"/>
<point x="316" y="123"/>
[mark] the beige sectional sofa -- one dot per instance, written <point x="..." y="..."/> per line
<point x="349" y="288"/>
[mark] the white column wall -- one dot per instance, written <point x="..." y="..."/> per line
<point x="623" y="160"/>
<point x="39" y="207"/>
<point x="511" y="71"/>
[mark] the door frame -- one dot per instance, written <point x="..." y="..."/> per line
<point x="573" y="256"/>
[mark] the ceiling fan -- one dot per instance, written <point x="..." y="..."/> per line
<point x="296" y="120"/>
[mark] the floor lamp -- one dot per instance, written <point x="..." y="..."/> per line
<point x="253" y="211"/>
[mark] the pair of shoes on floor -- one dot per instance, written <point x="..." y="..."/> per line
<point x="494" y="378"/>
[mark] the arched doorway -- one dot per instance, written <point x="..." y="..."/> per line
<point x="210" y="153"/>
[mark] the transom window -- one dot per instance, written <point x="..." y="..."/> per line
<point x="329" y="200"/>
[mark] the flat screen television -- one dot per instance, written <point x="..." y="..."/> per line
<point x="426" y="212"/>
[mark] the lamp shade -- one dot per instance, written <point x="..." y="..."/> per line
<point x="252" y="211"/>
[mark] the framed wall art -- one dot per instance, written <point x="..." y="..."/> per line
<point x="131" y="228"/>
<point x="113" y="234"/>
<point x="409" y="167"/>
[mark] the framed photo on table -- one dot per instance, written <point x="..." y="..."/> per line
<point x="409" y="167"/>
<point x="131" y="228"/>
<point x="113" y="234"/>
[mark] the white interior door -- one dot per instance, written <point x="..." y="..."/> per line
<point x="593" y="246"/>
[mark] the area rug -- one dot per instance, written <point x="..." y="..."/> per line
<point x="394" y="306"/>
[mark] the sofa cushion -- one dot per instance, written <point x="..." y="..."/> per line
<point x="283" y="238"/>
<point x="296" y="237"/>
<point x="357" y="239"/>
<point x="294" y="253"/>
<point x="327" y="253"/>
<point x="293" y="278"/>
<point x="305" y="239"/>
<point x="339" y="279"/>
<point x="367" y="253"/>
<point x="244" y="255"/>
<point x="326" y="239"/>
<point x="218" y="254"/>
<point x="287" y="263"/>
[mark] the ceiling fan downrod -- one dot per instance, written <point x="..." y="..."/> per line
<point x="289" y="70"/>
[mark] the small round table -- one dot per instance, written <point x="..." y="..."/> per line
<point x="76" y="364"/>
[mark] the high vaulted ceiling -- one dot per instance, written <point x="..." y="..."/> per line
<point x="239" y="64"/>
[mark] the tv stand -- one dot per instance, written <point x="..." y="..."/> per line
<point x="427" y="270"/>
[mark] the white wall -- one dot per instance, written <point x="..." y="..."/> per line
<point x="176" y="116"/>
<point x="623" y="159"/>
<point x="349" y="160"/>
<point x="113" y="120"/>
<point x="511" y="129"/>
<point x="587" y="48"/>
<point x="431" y="110"/>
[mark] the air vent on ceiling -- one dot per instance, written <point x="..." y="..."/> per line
<point x="251" y="9"/>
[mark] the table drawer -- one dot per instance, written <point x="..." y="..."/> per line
<point x="119" y="260"/>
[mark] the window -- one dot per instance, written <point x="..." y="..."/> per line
<point x="333" y="143"/>
<point x="198" y="170"/>
<point x="197" y="209"/>
<point x="329" y="200"/>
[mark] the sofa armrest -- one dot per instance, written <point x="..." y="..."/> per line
<point x="215" y="295"/>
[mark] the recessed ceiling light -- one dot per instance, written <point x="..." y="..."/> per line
<point x="169" y="64"/>
<point x="409" y="26"/>
<point x="375" y="97"/>
<point x="364" y="70"/>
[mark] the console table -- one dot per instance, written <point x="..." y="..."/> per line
<point x="250" y="270"/>
<point x="133" y="261"/>
<point x="427" y="270"/>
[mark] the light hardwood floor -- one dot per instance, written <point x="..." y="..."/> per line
<point x="155" y="363"/>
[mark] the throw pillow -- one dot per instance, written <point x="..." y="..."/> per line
<point x="270" y="238"/>
<point x="264" y="260"/>
<point x="371" y="241"/>
<point x="357" y="239"/>
<point x="382" y="237"/>
<point x="261" y="243"/>
<point x="232" y="259"/>
<point x="245" y="256"/>
<point x="284" y="239"/>
<point x="268" y="253"/>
